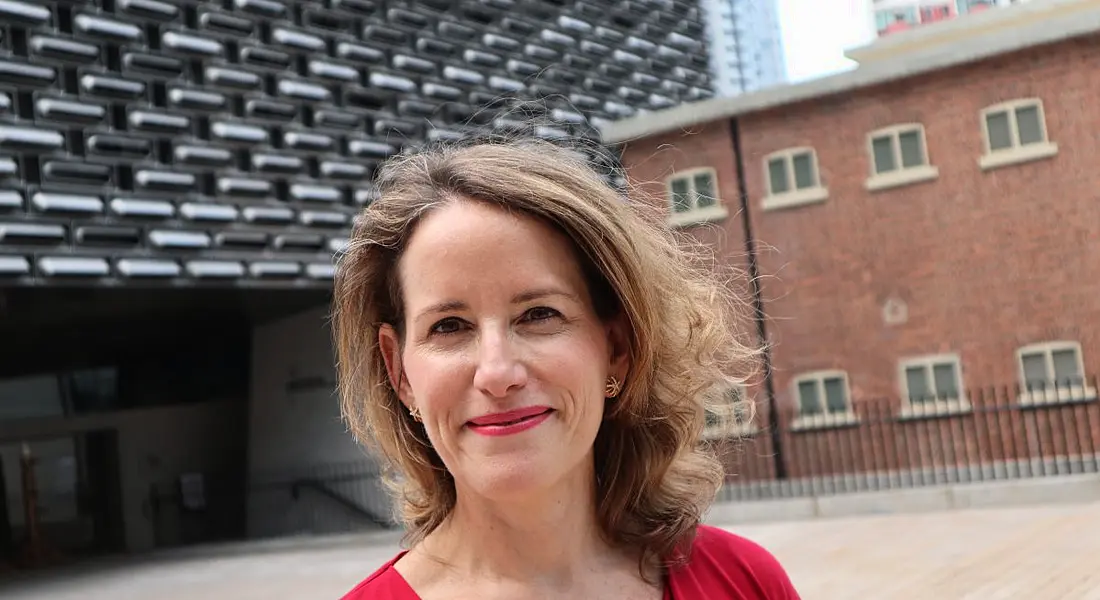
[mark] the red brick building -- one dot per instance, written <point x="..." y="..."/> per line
<point x="923" y="229"/>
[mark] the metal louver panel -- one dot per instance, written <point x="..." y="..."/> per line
<point x="230" y="142"/>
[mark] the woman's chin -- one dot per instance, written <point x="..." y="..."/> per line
<point x="509" y="478"/>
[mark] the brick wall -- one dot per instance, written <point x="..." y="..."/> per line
<point x="653" y="160"/>
<point x="984" y="261"/>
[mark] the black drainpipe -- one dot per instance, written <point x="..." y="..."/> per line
<point x="758" y="302"/>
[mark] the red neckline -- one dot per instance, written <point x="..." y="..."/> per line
<point x="391" y="566"/>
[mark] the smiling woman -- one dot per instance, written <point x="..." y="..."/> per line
<point x="532" y="357"/>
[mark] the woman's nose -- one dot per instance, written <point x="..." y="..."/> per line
<point x="499" y="368"/>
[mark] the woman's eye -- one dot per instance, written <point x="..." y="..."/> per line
<point x="448" y="325"/>
<point x="541" y="313"/>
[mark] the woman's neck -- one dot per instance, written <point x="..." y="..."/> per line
<point x="549" y="539"/>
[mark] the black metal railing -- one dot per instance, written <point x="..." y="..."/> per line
<point x="331" y="498"/>
<point x="366" y="511"/>
<point x="988" y="434"/>
<point x="320" y="499"/>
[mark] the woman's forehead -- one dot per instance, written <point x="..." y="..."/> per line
<point x="469" y="248"/>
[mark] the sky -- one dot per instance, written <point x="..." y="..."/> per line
<point x="817" y="32"/>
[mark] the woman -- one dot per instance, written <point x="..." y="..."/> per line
<point x="533" y="356"/>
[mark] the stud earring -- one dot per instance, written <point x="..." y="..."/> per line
<point x="613" y="387"/>
<point x="415" y="413"/>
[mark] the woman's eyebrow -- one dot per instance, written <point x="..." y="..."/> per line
<point x="526" y="296"/>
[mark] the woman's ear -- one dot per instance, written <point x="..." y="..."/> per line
<point x="618" y="345"/>
<point x="390" y="344"/>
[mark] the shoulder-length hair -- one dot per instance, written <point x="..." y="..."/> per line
<point x="654" y="477"/>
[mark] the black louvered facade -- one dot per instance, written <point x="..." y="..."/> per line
<point x="230" y="142"/>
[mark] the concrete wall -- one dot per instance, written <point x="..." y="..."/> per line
<point x="1067" y="489"/>
<point x="295" y="429"/>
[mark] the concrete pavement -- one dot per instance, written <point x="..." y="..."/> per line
<point x="1032" y="553"/>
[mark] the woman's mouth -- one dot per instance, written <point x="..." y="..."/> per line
<point x="510" y="422"/>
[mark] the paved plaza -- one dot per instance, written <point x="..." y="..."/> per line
<point x="1034" y="553"/>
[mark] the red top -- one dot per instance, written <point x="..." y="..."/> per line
<point x="722" y="565"/>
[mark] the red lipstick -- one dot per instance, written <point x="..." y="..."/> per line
<point x="510" y="422"/>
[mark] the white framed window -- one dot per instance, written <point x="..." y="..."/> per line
<point x="899" y="156"/>
<point x="733" y="418"/>
<point x="792" y="179"/>
<point x="966" y="6"/>
<point x="1052" y="372"/>
<point x="937" y="12"/>
<point x="693" y="197"/>
<point x="893" y="19"/>
<point x="932" y="385"/>
<point x="1015" y="132"/>
<point x="823" y="400"/>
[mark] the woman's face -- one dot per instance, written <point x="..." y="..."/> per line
<point x="503" y="353"/>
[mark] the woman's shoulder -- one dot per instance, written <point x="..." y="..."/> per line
<point x="723" y="562"/>
<point x="384" y="584"/>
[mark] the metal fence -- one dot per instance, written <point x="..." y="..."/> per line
<point x="991" y="434"/>
<point x="995" y="434"/>
<point x="323" y="499"/>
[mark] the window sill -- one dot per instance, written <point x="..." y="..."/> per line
<point x="1015" y="156"/>
<point x="828" y="421"/>
<point x="796" y="198"/>
<point x="938" y="408"/>
<point x="1061" y="396"/>
<point x="698" y="216"/>
<point x="902" y="177"/>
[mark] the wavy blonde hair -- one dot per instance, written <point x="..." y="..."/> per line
<point x="655" y="479"/>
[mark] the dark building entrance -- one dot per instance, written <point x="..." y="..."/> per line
<point x="75" y="500"/>
<point x="133" y="404"/>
